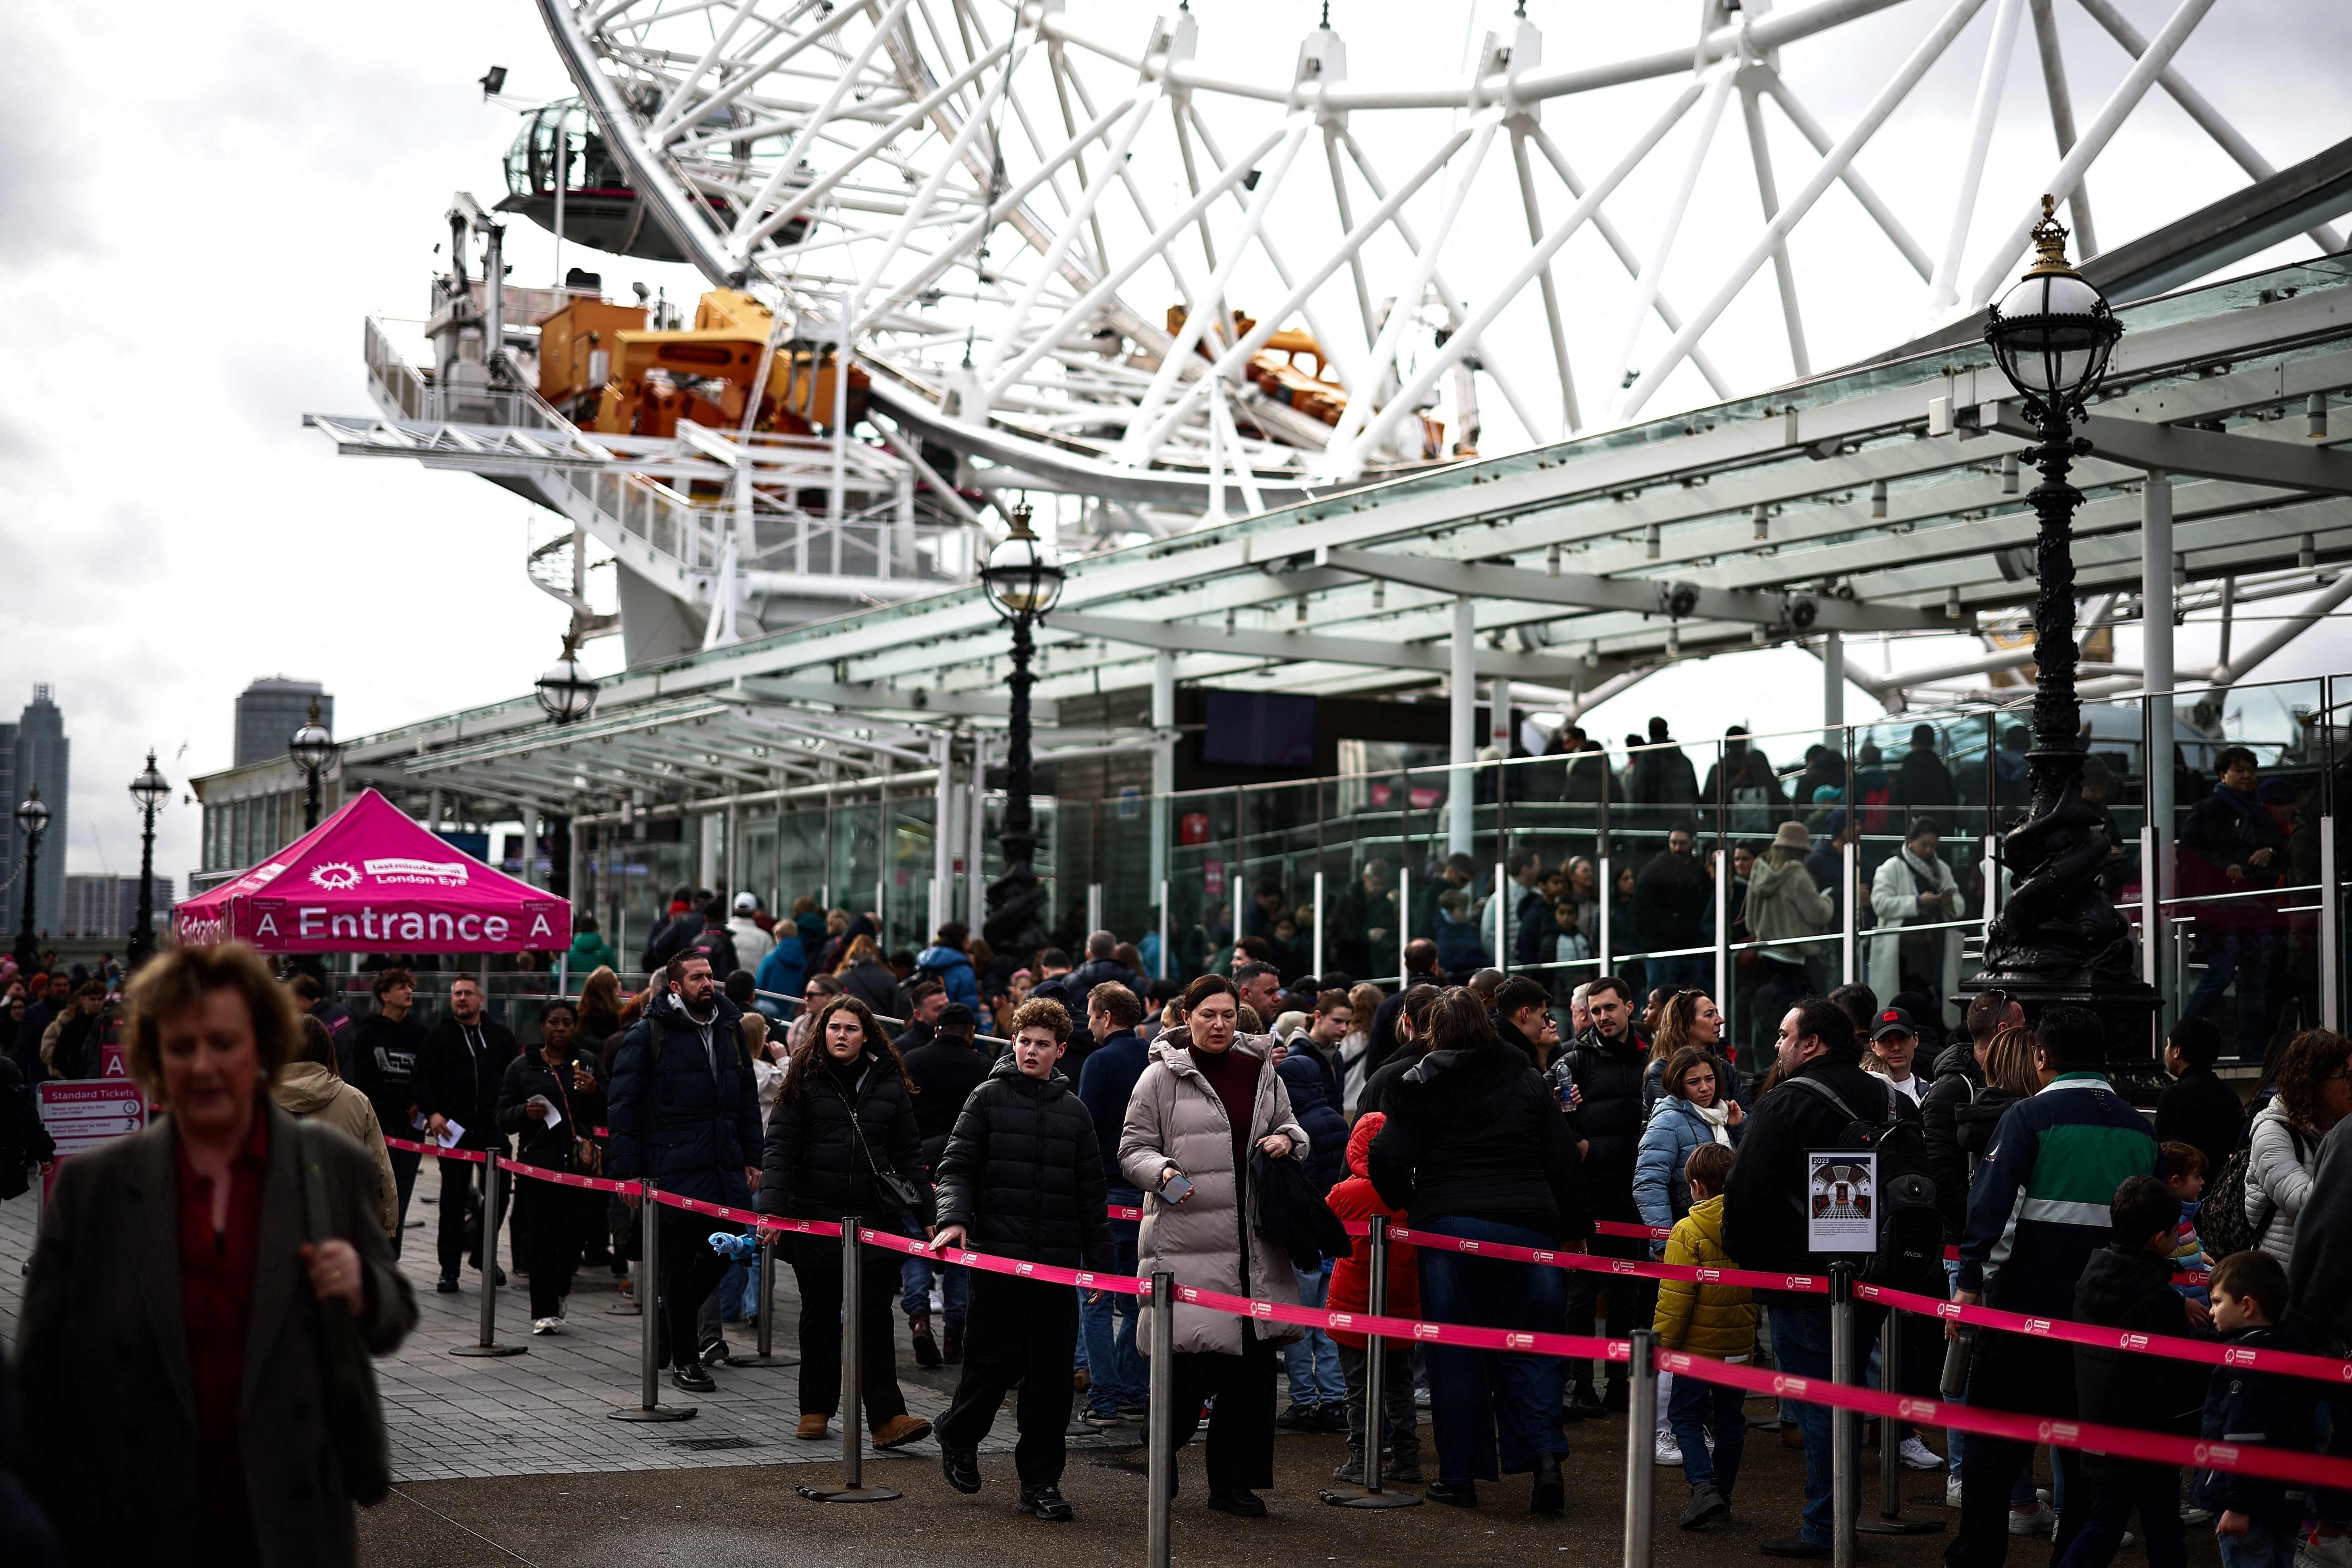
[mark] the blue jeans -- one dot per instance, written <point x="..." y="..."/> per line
<point x="1115" y="1372"/>
<point x="1697" y="1409"/>
<point x="1473" y="1392"/>
<point x="2262" y="1546"/>
<point x="915" y="1274"/>
<point x="1313" y="1362"/>
<point x="1800" y="1338"/>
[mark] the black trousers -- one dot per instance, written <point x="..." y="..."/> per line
<point x="2118" y="1488"/>
<point x="1240" y="1456"/>
<point x="1024" y="1332"/>
<point x="403" y="1180"/>
<point x="460" y="1179"/>
<point x="547" y="1217"/>
<point x="816" y="1269"/>
<point x="2031" y="1377"/>
<point x="1624" y="1305"/>
<point x="689" y="1272"/>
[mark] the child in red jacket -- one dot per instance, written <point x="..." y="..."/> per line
<point x="1353" y="1200"/>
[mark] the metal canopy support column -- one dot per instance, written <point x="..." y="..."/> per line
<point x="1461" y="818"/>
<point x="942" y="831"/>
<point x="2156" y="589"/>
<point x="976" y="825"/>
<point x="1833" y="691"/>
<point x="1163" y="760"/>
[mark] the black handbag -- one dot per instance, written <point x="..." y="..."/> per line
<point x="901" y="1193"/>
<point x="353" y="1408"/>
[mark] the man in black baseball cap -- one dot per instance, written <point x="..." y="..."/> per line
<point x="1893" y="1039"/>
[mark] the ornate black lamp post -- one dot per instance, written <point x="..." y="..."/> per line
<point x="2059" y="939"/>
<point x="312" y="750"/>
<point x="150" y="789"/>
<point x="32" y="820"/>
<point x="1023" y="582"/>
<point x="567" y="691"/>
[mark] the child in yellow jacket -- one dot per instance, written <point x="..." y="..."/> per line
<point x="1717" y="1320"/>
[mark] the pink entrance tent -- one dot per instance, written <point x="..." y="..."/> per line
<point x="369" y="879"/>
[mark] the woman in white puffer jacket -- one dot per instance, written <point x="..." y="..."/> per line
<point x="2315" y="1092"/>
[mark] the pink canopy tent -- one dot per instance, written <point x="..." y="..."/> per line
<point x="369" y="879"/>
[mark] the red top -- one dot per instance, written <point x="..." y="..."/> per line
<point x="217" y="1304"/>
<point x="1233" y="1077"/>
<point x="1354" y="1199"/>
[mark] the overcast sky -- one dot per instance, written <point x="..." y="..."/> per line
<point x="200" y="204"/>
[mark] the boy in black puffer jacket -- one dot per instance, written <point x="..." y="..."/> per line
<point x="2129" y="1284"/>
<point x="2257" y="1521"/>
<point x="1318" y="1388"/>
<point x="1022" y="1177"/>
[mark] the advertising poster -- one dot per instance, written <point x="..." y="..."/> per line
<point x="1842" y="1202"/>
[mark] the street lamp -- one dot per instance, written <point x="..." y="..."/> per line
<point x="2058" y="939"/>
<point x="567" y="691"/>
<point x="32" y="820"/>
<point x="312" y="750"/>
<point x="1023" y="582"/>
<point x="150" y="789"/>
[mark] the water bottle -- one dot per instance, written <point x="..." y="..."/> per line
<point x="1955" y="1381"/>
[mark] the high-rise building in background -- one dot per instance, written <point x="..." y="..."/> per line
<point x="271" y="710"/>
<point x="102" y="908"/>
<point x="39" y="758"/>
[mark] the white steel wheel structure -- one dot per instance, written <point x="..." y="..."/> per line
<point x="1082" y="261"/>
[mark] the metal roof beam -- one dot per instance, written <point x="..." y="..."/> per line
<point x="1183" y="637"/>
<point x="2284" y="464"/>
<point x="875" y="697"/>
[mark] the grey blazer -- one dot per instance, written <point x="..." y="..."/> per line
<point x="102" y="1355"/>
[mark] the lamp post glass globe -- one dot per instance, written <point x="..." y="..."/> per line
<point x="32" y="816"/>
<point x="567" y="691"/>
<point x="149" y="788"/>
<point x="1023" y="577"/>
<point x="2053" y="331"/>
<point x="310" y="746"/>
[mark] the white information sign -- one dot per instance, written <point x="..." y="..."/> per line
<point x="1842" y="1202"/>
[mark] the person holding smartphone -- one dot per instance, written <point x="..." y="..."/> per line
<point x="549" y="1098"/>
<point x="1208" y="1100"/>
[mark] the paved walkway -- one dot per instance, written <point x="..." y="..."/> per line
<point x="548" y="1411"/>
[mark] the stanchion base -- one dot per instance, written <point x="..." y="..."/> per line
<point x="655" y="1412"/>
<point x="1899" y="1526"/>
<point x="848" y="1494"/>
<point x="626" y="1309"/>
<point x="1383" y="1499"/>
<point x="489" y="1350"/>
<point x="759" y="1361"/>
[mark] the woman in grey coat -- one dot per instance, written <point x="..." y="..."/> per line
<point x="173" y="1408"/>
<point x="1209" y="1096"/>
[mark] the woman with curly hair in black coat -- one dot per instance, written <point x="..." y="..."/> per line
<point x="844" y="1119"/>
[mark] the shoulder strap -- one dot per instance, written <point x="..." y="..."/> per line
<point x="1816" y="1086"/>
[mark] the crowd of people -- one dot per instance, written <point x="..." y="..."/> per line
<point x="1077" y="1115"/>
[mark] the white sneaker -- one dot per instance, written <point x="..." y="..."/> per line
<point x="543" y="1325"/>
<point x="2326" y="1551"/>
<point x="1669" y="1452"/>
<point x="1952" y="1489"/>
<point x="1917" y="1455"/>
<point x="2191" y="1514"/>
<point x="2128" y="1539"/>
<point x="2041" y="1522"/>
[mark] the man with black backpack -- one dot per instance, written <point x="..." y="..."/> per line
<point x="2042" y="1197"/>
<point x="1824" y="1101"/>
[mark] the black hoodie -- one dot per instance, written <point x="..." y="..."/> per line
<point x="383" y="1058"/>
<point x="1955" y="1083"/>
<point x="1477" y="1132"/>
<point x="2242" y="1405"/>
<point x="2129" y="1289"/>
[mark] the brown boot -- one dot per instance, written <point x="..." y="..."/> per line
<point x="1791" y="1437"/>
<point x="901" y="1430"/>
<point x="813" y="1427"/>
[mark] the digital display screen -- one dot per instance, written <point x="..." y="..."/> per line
<point x="1258" y="729"/>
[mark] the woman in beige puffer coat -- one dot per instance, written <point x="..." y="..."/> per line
<point x="1178" y="1122"/>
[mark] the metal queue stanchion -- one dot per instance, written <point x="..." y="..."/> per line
<point x="1845" y="1431"/>
<point x="1641" y="1471"/>
<point x="1890" y="1519"/>
<point x="649" y="1406"/>
<point x="767" y="1355"/>
<point x="494" y="1203"/>
<point x="853" y="1487"/>
<point x="1160" y="1455"/>
<point x="1375" y="1385"/>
